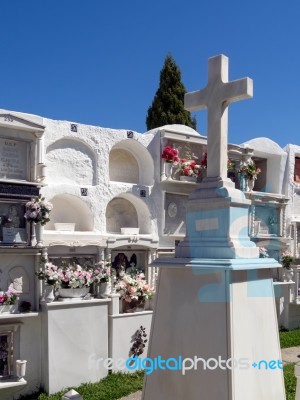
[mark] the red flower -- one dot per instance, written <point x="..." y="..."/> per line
<point x="204" y="161"/>
<point x="169" y="153"/>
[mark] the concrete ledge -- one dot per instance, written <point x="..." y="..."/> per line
<point x="124" y="315"/>
<point x="72" y="303"/>
<point x="19" y="316"/>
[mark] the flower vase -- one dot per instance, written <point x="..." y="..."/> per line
<point x="8" y="308"/>
<point x="39" y="229"/>
<point x="250" y="185"/>
<point x="103" y="290"/>
<point x="287" y="274"/>
<point x="243" y="182"/>
<point x="168" y="170"/>
<point x="149" y="304"/>
<point x="133" y="306"/>
<point x="73" y="293"/>
<point x="33" y="241"/>
<point x="48" y="294"/>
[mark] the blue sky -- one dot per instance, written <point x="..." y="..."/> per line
<point x="98" y="62"/>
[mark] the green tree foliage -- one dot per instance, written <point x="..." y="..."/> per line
<point x="168" y="104"/>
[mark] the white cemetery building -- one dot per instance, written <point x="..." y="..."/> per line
<point x="113" y="196"/>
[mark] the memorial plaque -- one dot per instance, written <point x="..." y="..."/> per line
<point x="13" y="159"/>
<point x="175" y="213"/>
<point x="12" y="223"/>
<point x="14" y="235"/>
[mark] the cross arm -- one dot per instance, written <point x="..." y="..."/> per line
<point x="238" y="90"/>
<point x="195" y="100"/>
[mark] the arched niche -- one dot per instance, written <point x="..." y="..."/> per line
<point x="131" y="162"/>
<point x="128" y="211"/>
<point x="70" y="161"/>
<point x="71" y="209"/>
<point x="123" y="166"/>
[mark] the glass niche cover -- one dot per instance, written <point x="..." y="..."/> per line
<point x="12" y="223"/>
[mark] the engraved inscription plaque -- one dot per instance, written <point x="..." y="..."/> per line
<point x="175" y="214"/>
<point x="13" y="159"/>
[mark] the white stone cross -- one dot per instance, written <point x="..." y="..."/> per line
<point x="216" y="96"/>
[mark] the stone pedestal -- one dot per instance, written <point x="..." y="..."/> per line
<point x="217" y="223"/>
<point x="215" y="307"/>
<point x="221" y="312"/>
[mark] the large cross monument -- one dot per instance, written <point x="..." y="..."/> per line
<point x="214" y="331"/>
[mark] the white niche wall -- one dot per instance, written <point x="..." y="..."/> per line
<point x="131" y="162"/>
<point x="70" y="161"/>
<point x="71" y="209"/>
<point x="127" y="211"/>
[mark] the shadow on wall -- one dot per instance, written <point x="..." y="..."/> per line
<point x="71" y="209"/>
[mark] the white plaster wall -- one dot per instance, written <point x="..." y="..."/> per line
<point x="289" y="185"/>
<point x="30" y="350"/>
<point x="120" y="213"/>
<point x="123" y="167"/>
<point x="98" y="142"/>
<point x="70" y="208"/>
<point x="75" y="333"/>
<point x="122" y="327"/>
<point x="276" y="162"/>
<point x="73" y="161"/>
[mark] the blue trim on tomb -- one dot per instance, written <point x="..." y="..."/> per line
<point x="232" y="264"/>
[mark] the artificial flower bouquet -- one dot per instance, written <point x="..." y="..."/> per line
<point x="8" y="298"/>
<point x="133" y="289"/>
<point x="70" y="275"/>
<point x="170" y="155"/>
<point x="249" y="169"/>
<point x="286" y="259"/>
<point x="189" y="168"/>
<point x="263" y="253"/>
<point x="38" y="210"/>
<point x="102" y="272"/>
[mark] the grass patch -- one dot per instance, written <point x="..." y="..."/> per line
<point x="113" y="387"/>
<point x="290" y="381"/>
<point x="117" y="385"/>
<point x="289" y="339"/>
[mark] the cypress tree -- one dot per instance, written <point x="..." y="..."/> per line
<point x="168" y="103"/>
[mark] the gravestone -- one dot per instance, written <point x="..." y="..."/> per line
<point x="13" y="159"/>
<point x="214" y="331"/>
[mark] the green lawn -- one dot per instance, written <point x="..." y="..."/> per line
<point x="118" y="385"/>
<point x="113" y="387"/>
<point x="289" y="381"/>
<point x="289" y="339"/>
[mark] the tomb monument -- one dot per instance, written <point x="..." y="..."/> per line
<point x="214" y="330"/>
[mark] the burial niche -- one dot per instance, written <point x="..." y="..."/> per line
<point x="120" y="213"/>
<point x="72" y="161"/>
<point x="123" y="166"/>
